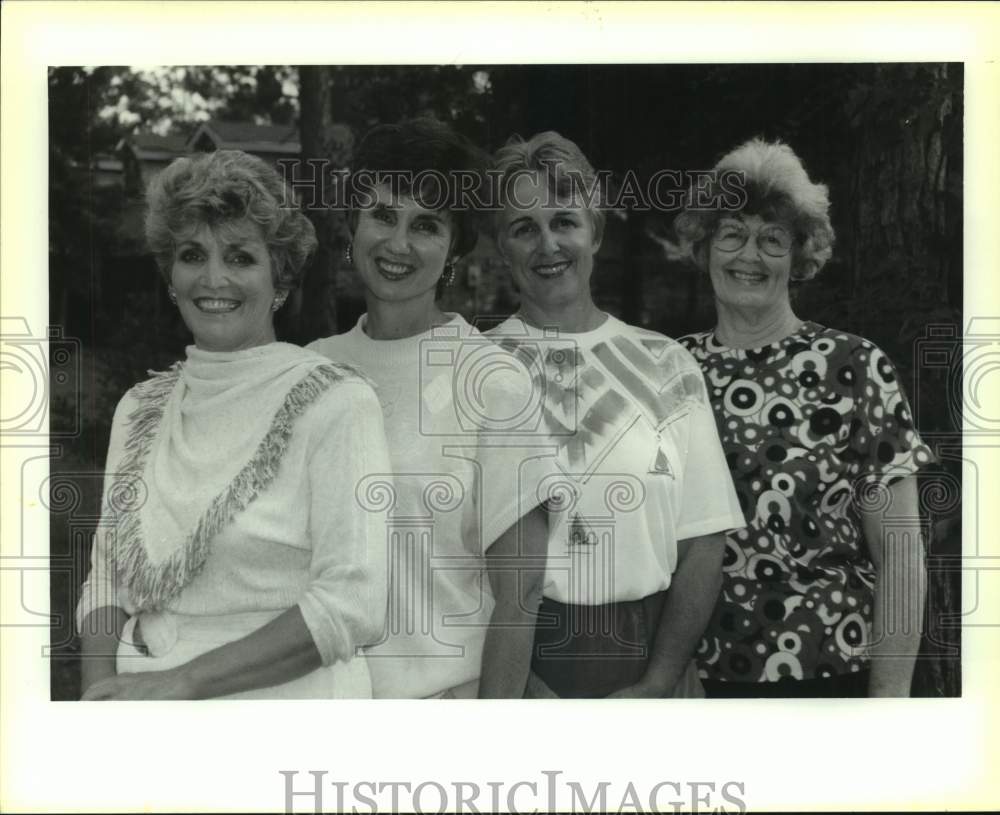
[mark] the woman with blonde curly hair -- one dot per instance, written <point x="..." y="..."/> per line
<point x="822" y="448"/>
<point x="232" y="558"/>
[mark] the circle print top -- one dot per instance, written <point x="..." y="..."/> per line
<point x="805" y="422"/>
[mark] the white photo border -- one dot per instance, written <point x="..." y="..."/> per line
<point x="227" y="756"/>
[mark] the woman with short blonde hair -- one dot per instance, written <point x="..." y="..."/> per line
<point x="643" y="495"/>
<point x="232" y="557"/>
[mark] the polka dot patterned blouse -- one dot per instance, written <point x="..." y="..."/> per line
<point x="805" y="423"/>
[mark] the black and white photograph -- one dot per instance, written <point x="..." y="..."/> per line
<point x="707" y="336"/>
<point x="370" y="391"/>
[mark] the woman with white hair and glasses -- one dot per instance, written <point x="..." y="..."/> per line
<point x="822" y="448"/>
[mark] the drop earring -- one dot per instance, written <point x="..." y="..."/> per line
<point x="448" y="278"/>
<point x="172" y="295"/>
<point x="349" y="253"/>
<point x="279" y="300"/>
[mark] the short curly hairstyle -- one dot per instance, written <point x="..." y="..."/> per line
<point x="432" y="149"/>
<point x="777" y="188"/>
<point x="562" y="163"/>
<point x="222" y="187"/>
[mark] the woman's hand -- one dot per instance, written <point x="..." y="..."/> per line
<point x="139" y="686"/>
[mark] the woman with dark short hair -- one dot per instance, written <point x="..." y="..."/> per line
<point x="232" y="558"/>
<point x="822" y="448"/>
<point x="468" y="552"/>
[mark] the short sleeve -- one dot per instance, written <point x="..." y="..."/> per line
<point x="708" y="499"/>
<point x="883" y="440"/>
<point x="344" y="605"/>
<point x="102" y="587"/>
<point x="512" y="447"/>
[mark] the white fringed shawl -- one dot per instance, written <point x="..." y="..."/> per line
<point x="206" y="439"/>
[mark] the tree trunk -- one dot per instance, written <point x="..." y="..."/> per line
<point x="905" y="234"/>
<point x="907" y="204"/>
<point x="314" y="310"/>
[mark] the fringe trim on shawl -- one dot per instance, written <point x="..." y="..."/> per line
<point x="151" y="586"/>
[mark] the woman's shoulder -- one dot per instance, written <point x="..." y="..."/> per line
<point x="695" y="342"/>
<point x="330" y="401"/>
<point x="663" y="361"/>
<point x="645" y="335"/>
<point x="147" y="392"/>
<point x="663" y="350"/>
<point x="478" y="346"/>
<point x="835" y="342"/>
<point x="335" y="382"/>
<point x="140" y="409"/>
<point x="337" y="370"/>
<point x="156" y="382"/>
<point x="512" y="327"/>
<point x="845" y="339"/>
<point x="864" y="358"/>
<point x="331" y="347"/>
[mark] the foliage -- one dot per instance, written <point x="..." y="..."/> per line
<point x="166" y="100"/>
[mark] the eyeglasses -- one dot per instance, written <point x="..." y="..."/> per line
<point x="773" y="240"/>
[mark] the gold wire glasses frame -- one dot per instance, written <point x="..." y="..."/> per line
<point x="772" y="239"/>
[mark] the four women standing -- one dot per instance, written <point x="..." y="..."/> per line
<point x="555" y="497"/>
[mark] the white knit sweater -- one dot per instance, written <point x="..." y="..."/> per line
<point x="302" y="539"/>
<point x="453" y="403"/>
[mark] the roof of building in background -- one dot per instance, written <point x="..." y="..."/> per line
<point x="253" y="138"/>
<point x="216" y="135"/>
<point x="150" y="147"/>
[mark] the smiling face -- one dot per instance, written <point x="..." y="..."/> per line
<point x="550" y="248"/>
<point x="224" y="285"/>
<point x="400" y="248"/>
<point x="749" y="277"/>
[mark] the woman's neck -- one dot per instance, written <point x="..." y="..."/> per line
<point x="397" y="321"/>
<point x="755" y="327"/>
<point x="574" y="318"/>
